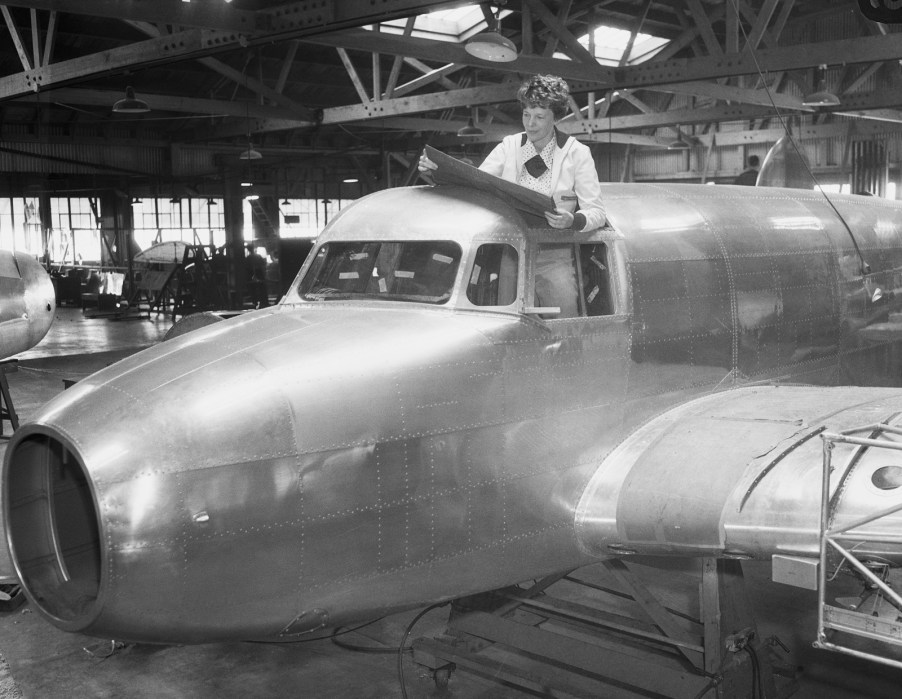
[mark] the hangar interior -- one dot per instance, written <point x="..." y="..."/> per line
<point x="147" y="147"/>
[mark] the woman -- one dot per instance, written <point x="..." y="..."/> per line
<point x="546" y="160"/>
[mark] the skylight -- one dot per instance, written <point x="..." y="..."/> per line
<point x="461" y="23"/>
<point x="454" y="25"/>
<point x="610" y="43"/>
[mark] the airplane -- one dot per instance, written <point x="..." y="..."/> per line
<point x="27" y="303"/>
<point x="452" y="398"/>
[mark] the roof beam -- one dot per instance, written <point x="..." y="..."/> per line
<point x="728" y="93"/>
<point x="285" y="22"/>
<point x="859" y="105"/>
<point x="35" y="39"/>
<point x="168" y="103"/>
<point x="760" y="26"/>
<point x="237" y="76"/>
<point x="858" y="50"/>
<point x="17" y="39"/>
<point x="577" y="50"/>
<point x="218" y="15"/>
<point x="703" y="25"/>
<point x="395" y="72"/>
<point x="49" y="39"/>
<point x="429" y="76"/>
<point x="380" y="108"/>
<point x="287" y="63"/>
<point x="352" y="74"/>
<point x="451" y="52"/>
<point x="163" y="49"/>
<point x="307" y="17"/>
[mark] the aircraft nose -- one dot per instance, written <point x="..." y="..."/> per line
<point x="40" y="298"/>
<point x="180" y="466"/>
<point x="125" y="484"/>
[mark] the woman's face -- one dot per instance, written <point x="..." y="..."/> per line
<point x="538" y="122"/>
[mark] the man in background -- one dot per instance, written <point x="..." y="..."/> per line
<point x="749" y="176"/>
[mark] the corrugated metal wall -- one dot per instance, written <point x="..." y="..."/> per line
<point x="84" y="155"/>
<point x="659" y="164"/>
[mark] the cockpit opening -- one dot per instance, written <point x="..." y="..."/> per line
<point x="573" y="277"/>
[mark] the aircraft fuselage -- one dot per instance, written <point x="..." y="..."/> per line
<point x="419" y="419"/>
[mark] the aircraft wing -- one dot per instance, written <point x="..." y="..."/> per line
<point x="740" y="473"/>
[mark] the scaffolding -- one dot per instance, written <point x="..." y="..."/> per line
<point x="887" y="632"/>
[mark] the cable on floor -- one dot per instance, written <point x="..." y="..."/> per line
<point x="403" y="647"/>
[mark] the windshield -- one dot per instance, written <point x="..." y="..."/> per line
<point x="422" y="271"/>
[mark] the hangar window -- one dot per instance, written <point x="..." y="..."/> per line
<point x="493" y="281"/>
<point x="422" y="271"/>
<point x="574" y="278"/>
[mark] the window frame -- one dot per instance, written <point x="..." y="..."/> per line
<point x="577" y="242"/>
<point x="475" y="247"/>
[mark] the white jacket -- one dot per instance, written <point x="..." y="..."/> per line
<point x="573" y="176"/>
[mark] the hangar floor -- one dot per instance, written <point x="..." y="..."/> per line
<point x="38" y="661"/>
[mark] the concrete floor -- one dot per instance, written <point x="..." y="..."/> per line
<point x="39" y="661"/>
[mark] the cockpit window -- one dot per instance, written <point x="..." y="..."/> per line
<point x="422" y="271"/>
<point x="493" y="281"/>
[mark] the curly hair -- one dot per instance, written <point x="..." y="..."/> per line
<point x="547" y="91"/>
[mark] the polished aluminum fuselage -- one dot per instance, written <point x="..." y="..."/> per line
<point x="27" y="303"/>
<point x="317" y="462"/>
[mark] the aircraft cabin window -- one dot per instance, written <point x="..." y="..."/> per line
<point x="573" y="278"/>
<point x="422" y="271"/>
<point x="493" y="281"/>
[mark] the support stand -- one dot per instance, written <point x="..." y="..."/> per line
<point x="602" y="631"/>
<point x="7" y="409"/>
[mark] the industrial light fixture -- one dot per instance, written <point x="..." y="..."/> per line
<point x="252" y="197"/>
<point x="491" y="45"/>
<point x="822" y="97"/>
<point x="470" y="130"/>
<point x="680" y="143"/>
<point x="250" y="153"/>
<point x="286" y="203"/>
<point x="131" y="104"/>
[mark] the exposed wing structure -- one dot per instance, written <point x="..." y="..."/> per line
<point x="739" y="473"/>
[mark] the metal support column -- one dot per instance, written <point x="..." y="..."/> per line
<point x="7" y="409"/>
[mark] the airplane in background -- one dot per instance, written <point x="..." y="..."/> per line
<point x="450" y="400"/>
<point x="27" y="303"/>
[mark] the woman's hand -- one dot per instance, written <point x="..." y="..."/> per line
<point x="559" y="219"/>
<point x="425" y="164"/>
<point x="426" y="168"/>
